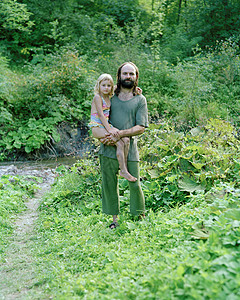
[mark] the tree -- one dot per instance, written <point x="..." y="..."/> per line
<point x="15" y="24"/>
<point x="212" y="20"/>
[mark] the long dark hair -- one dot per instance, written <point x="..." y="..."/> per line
<point x="117" y="91"/>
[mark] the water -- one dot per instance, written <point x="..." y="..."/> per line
<point x="35" y="168"/>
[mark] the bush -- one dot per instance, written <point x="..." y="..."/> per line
<point x="177" y="165"/>
<point x="59" y="89"/>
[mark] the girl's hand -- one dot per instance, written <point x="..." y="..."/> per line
<point x="138" y="90"/>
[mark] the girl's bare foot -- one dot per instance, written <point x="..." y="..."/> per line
<point x="127" y="176"/>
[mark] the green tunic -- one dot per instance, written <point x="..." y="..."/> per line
<point x="125" y="115"/>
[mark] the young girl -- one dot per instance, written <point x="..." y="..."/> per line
<point x="99" y="121"/>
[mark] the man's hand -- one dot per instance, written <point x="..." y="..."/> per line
<point x="138" y="90"/>
<point x="110" y="140"/>
<point x="114" y="132"/>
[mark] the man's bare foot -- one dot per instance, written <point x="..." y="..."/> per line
<point x="127" y="176"/>
<point x="113" y="225"/>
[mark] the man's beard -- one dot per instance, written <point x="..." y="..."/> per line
<point x="127" y="83"/>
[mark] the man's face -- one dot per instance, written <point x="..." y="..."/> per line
<point x="128" y="76"/>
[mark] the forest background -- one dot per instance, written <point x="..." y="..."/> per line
<point x="52" y="52"/>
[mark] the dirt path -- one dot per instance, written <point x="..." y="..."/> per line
<point x="17" y="279"/>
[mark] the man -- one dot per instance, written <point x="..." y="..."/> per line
<point x="129" y="115"/>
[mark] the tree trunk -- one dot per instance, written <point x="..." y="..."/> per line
<point x="179" y="11"/>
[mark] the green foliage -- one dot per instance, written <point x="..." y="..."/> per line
<point x="178" y="164"/>
<point x="59" y="89"/>
<point x="176" y="45"/>
<point x="75" y="188"/>
<point x="15" y="25"/>
<point x="182" y="253"/>
<point x="203" y="87"/>
<point x="15" y="16"/>
<point x="43" y="129"/>
<point x="212" y="20"/>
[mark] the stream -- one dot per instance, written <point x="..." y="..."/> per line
<point x="39" y="168"/>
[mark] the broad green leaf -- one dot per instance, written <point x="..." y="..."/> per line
<point x="180" y="270"/>
<point x="172" y="178"/>
<point x="189" y="185"/>
<point x="154" y="173"/>
<point x="233" y="214"/>
<point x="198" y="165"/>
<point x="195" y="131"/>
<point x="200" y="234"/>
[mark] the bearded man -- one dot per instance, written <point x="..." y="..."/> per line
<point x="129" y="115"/>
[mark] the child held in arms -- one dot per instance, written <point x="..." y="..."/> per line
<point x="99" y="121"/>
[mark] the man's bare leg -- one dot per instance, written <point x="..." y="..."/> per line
<point x="122" y="162"/>
<point x="114" y="224"/>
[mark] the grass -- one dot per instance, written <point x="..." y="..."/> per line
<point x="189" y="252"/>
<point x="14" y="191"/>
<point x="186" y="250"/>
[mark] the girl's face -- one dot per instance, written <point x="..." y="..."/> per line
<point x="105" y="87"/>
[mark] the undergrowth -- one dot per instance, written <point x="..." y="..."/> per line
<point x="187" y="247"/>
<point x="189" y="252"/>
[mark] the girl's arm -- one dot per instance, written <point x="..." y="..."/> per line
<point x="98" y="103"/>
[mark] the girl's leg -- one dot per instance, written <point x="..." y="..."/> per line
<point x="126" y="141"/>
<point x="122" y="161"/>
<point x="98" y="132"/>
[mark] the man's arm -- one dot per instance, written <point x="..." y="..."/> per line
<point x="111" y="140"/>
<point x="136" y="130"/>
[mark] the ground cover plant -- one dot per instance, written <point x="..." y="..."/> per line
<point x="14" y="192"/>
<point x="184" y="249"/>
<point x="177" y="164"/>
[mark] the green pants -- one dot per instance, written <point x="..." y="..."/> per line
<point x="110" y="193"/>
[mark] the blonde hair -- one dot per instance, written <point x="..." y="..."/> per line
<point x="102" y="78"/>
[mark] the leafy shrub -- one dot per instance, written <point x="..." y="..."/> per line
<point x="208" y="83"/>
<point x="32" y="136"/>
<point x="57" y="90"/>
<point x="178" y="164"/>
<point x="77" y="188"/>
